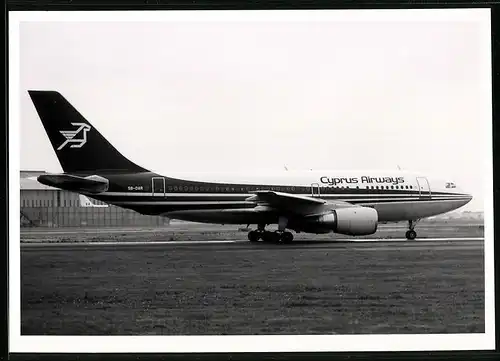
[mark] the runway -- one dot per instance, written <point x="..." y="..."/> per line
<point x="240" y="245"/>
<point x="214" y="281"/>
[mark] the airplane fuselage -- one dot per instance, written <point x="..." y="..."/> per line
<point x="396" y="195"/>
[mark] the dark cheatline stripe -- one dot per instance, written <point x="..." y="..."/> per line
<point x="233" y="204"/>
<point x="338" y="192"/>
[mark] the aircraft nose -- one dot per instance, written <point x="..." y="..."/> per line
<point x="467" y="199"/>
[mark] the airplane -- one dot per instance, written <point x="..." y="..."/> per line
<point x="85" y="202"/>
<point x="318" y="202"/>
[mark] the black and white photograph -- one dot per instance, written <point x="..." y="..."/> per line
<point x="251" y="181"/>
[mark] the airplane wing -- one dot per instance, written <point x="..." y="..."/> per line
<point x="292" y="203"/>
<point x="277" y="198"/>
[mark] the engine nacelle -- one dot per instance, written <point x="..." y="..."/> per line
<point x="352" y="221"/>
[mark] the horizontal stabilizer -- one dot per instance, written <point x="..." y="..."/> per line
<point x="90" y="184"/>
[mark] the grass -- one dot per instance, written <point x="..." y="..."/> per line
<point x="253" y="290"/>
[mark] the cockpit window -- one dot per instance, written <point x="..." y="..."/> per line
<point x="450" y="185"/>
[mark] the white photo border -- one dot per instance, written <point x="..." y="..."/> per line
<point x="257" y="343"/>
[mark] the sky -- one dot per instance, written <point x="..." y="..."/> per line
<point x="334" y="93"/>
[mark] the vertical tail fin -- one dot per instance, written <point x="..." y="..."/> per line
<point x="79" y="147"/>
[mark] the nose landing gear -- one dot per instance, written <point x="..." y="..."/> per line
<point x="411" y="234"/>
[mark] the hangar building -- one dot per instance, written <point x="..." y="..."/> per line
<point x="44" y="206"/>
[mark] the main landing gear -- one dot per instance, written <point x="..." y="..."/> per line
<point x="411" y="234"/>
<point x="279" y="236"/>
<point x="270" y="237"/>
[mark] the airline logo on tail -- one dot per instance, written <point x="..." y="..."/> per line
<point x="71" y="134"/>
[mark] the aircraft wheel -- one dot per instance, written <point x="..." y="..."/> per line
<point x="287" y="237"/>
<point x="253" y="236"/>
<point x="411" y="234"/>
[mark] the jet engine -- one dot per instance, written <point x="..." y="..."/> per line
<point x="352" y="221"/>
